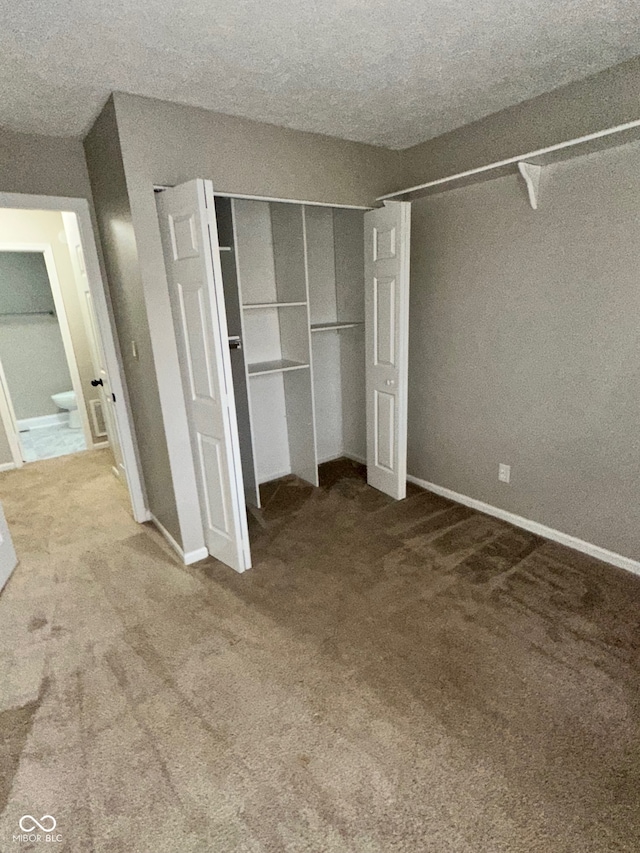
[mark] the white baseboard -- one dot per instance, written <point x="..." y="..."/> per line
<point x="43" y="421"/>
<point x="7" y="466"/>
<point x="195" y="556"/>
<point x="186" y="557"/>
<point x="99" y="445"/>
<point x="533" y="527"/>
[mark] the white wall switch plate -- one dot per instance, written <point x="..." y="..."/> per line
<point x="504" y="472"/>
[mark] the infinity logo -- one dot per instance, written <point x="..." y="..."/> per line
<point x="27" y="826"/>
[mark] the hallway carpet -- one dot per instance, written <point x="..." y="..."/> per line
<point x="409" y="676"/>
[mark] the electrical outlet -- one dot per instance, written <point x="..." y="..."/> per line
<point x="504" y="473"/>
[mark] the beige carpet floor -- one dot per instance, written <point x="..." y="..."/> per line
<point x="405" y="676"/>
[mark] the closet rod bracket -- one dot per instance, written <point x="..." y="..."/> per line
<point x="531" y="174"/>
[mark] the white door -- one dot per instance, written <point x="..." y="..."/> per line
<point x="387" y="233"/>
<point x="100" y="405"/>
<point x="8" y="559"/>
<point x="190" y="244"/>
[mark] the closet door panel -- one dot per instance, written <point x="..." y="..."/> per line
<point x="194" y="277"/>
<point x="387" y="336"/>
<point x="238" y="367"/>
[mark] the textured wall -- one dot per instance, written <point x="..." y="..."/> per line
<point x="162" y="143"/>
<point x="113" y="214"/>
<point x="34" y="363"/>
<point x="169" y="143"/>
<point x="603" y="100"/>
<point x="525" y="344"/>
<point x="42" y="165"/>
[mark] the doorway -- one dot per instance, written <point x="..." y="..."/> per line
<point x="61" y="383"/>
<point x="38" y="347"/>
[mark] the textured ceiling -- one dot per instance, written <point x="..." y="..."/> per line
<point x="388" y="73"/>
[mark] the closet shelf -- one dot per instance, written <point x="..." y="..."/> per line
<point x="328" y="327"/>
<point x="252" y="305"/>
<point x="280" y="366"/>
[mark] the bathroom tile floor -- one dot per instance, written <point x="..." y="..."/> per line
<point x="50" y="441"/>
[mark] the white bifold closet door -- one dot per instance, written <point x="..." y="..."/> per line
<point x="190" y="244"/>
<point x="387" y="233"/>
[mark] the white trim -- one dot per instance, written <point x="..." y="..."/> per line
<point x="188" y="558"/>
<point x="99" y="445"/>
<point x="41" y="421"/>
<point x="93" y="405"/>
<point x="9" y="421"/>
<point x="46" y="250"/>
<point x="159" y="187"/>
<point x="559" y="146"/>
<point x="7" y="466"/>
<point x="533" y="527"/>
<point x="106" y="326"/>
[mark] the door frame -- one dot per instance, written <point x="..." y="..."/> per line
<point x="10" y="424"/>
<point x="46" y="250"/>
<point x="106" y="329"/>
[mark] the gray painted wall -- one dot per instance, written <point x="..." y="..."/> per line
<point x="41" y="165"/>
<point x="31" y="348"/>
<point x="525" y="346"/>
<point x="113" y="214"/>
<point x="35" y="364"/>
<point x="168" y="144"/>
<point x="603" y="100"/>
<point x="161" y="143"/>
<point x="24" y="284"/>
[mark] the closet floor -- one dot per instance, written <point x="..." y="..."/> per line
<point x="391" y="676"/>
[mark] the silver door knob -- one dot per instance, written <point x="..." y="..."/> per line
<point x="390" y="382"/>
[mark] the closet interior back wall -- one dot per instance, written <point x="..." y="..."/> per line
<point x="335" y="243"/>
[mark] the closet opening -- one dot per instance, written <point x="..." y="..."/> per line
<point x="291" y="324"/>
<point x="293" y="279"/>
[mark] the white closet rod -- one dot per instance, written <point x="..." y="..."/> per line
<point x="160" y="187"/>
<point x="590" y="137"/>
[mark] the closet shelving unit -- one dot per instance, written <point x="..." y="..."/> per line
<point x="291" y="271"/>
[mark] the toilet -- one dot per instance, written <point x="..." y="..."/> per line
<point x="66" y="401"/>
